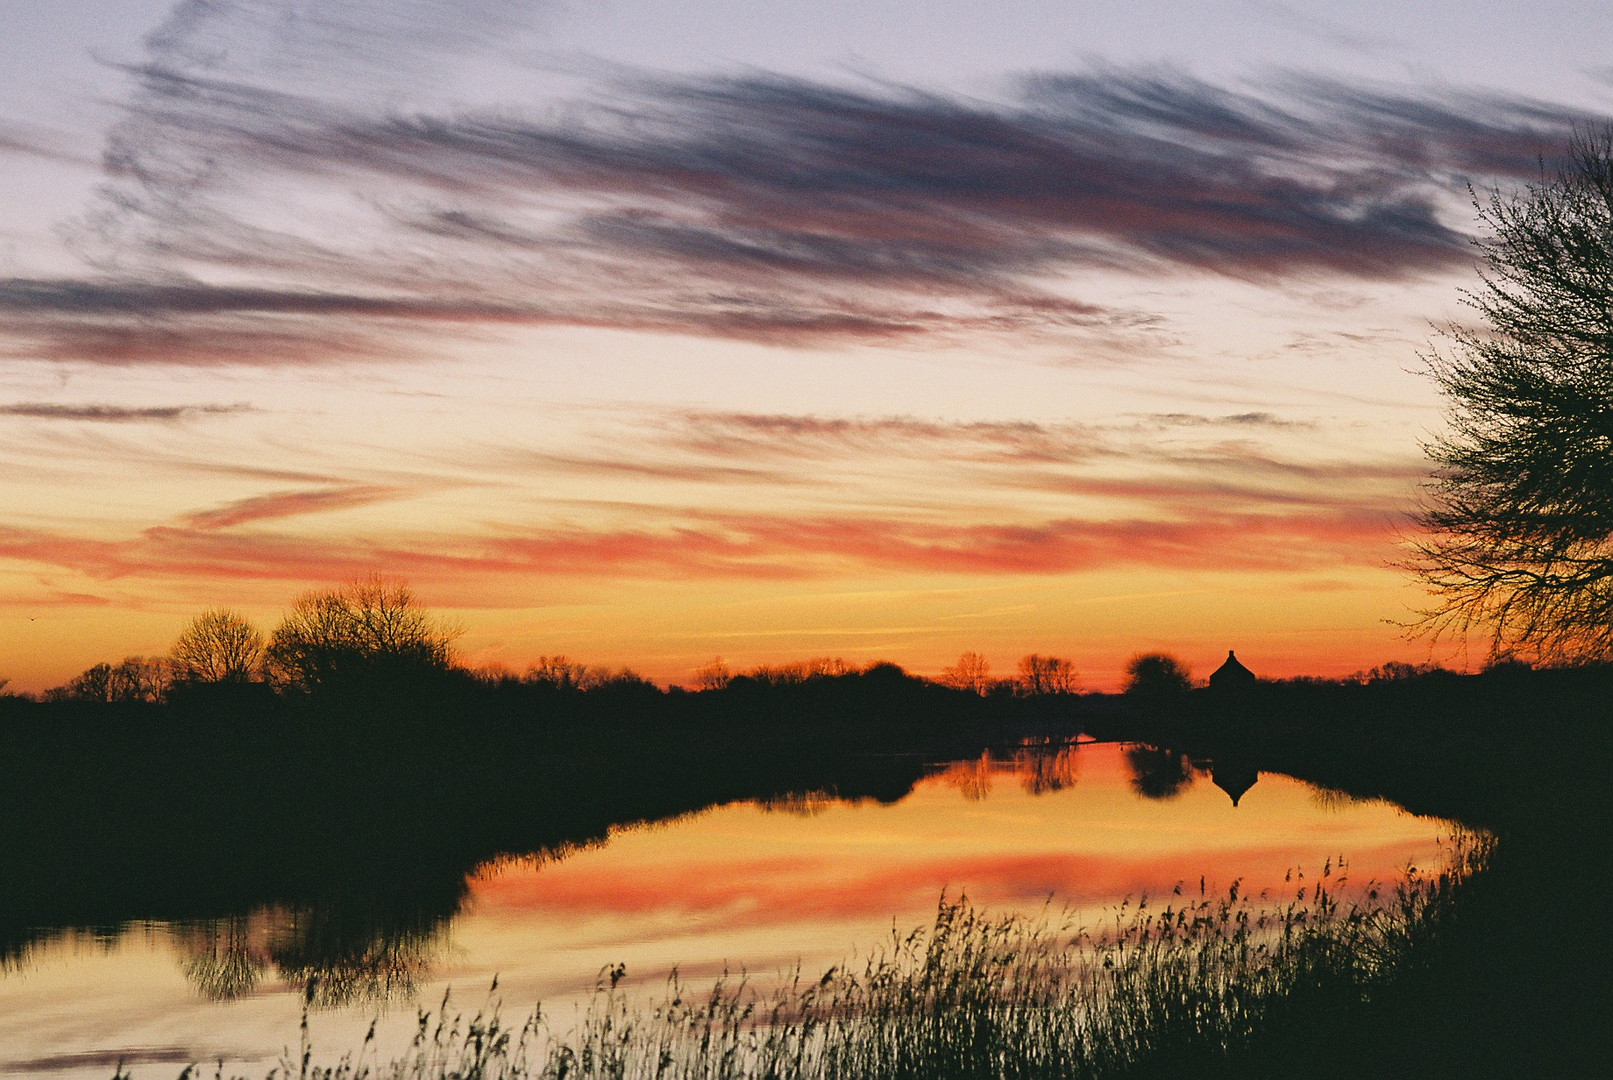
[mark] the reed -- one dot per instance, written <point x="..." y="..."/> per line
<point x="1206" y="984"/>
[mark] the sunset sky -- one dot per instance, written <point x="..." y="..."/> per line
<point x="648" y="332"/>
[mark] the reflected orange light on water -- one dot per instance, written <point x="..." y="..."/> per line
<point x="804" y="884"/>
<point x="749" y="887"/>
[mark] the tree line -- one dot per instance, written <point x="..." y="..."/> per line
<point x="375" y="630"/>
<point x="374" y="633"/>
<point x="369" y="629"/>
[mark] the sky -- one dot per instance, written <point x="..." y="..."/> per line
<point x="649" y="333"/>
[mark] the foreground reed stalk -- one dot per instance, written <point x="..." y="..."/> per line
<point x="1205" y="982"/>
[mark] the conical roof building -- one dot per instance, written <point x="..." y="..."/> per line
<point x="1232" y="675"/>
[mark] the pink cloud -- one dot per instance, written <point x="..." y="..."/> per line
<point x="289" y="504"/>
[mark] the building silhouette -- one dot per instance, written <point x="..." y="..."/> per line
<point x="1232" y="675"/>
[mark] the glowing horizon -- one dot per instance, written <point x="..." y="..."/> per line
<point x="645" y="338"/>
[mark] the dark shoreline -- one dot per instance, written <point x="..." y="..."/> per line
<point x="374" y="808"/>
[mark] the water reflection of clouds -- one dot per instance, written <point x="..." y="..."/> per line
<point x="1056" y="819"/>
<point x="802" y="879"/>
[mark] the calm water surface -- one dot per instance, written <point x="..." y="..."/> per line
<point x="754" y="887"/>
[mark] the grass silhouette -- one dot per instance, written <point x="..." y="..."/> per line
<point x="1207" y="985"/>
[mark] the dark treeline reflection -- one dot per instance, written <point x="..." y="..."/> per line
<point x="326" y="841"/>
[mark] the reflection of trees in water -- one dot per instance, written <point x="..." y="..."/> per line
<point x="337" y="956"/>
<point x="1336" y="801"/>
<point x="1047" y="766"/>
<point x="222" y="958"/>
<point x="1158" y="772"/>
<point x="1041" y="766"/>
<point x="20" y="947"/>
<point x="799" y="803"/>
<point x="972" y="778"/>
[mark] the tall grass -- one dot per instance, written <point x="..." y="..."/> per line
<point x="1205" y="984"/>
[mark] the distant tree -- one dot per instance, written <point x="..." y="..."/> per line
<point x="713" y="676"/>
<point x="138" y="678"/>
<point x="558" y="672"/>
<point x="134" y="678"/>
<point x="1517" y="525"/>
<point x="1157" y="676"/>
<point x="219" y="646"/>
<point x="778" y="674"/>
<point x="372" y="627"/>
<point x="819" y="667"/>
<point x="971" y="673"/>
<point x="562" y="674"/>
<point x="1399" y="671"/>
<point x="94" y="683"/>
<point x="1046" y="675"/>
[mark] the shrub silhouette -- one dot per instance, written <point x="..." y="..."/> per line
<point x="1157" y="676"/>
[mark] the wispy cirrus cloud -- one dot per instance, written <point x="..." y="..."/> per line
<point x="1171" y="466"/>
<point x="700" y="545"/>
<point x="759" y="206"/>
<point x="1255" y="419"/>
<point x="118" y="414"/>
<point x="38" y="142"/>
<point x="284" y="504"/>
<point x="758" y="436"/>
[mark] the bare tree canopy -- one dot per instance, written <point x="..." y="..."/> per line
<point x="219" y="646"/>
<point x="371" y="624"/>
<point x="1047" y="675"/>
<point x="972" y="672"/>
<point x="134" y="678"/>
<point x="1518" y="521"/>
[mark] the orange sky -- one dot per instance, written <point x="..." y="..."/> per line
<point x="649" y="348"/>
<point x="962" y="501"/>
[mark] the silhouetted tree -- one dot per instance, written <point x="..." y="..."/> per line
<point x="1400" y="671"/>
<point x="1046" y="675"/>
<point x="369" y="627"/>
<point x="560" y="673"/>
<point x="971" y="673"/>
<point x="1157" y="676"/>
<point x="819" y="667"/>
<point x="1519" y="518"/>
<point x="218" y="646"/>
<point x="133" y="678"/>
<point x="94" y="683"/>
<point x="713" y="676"/>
